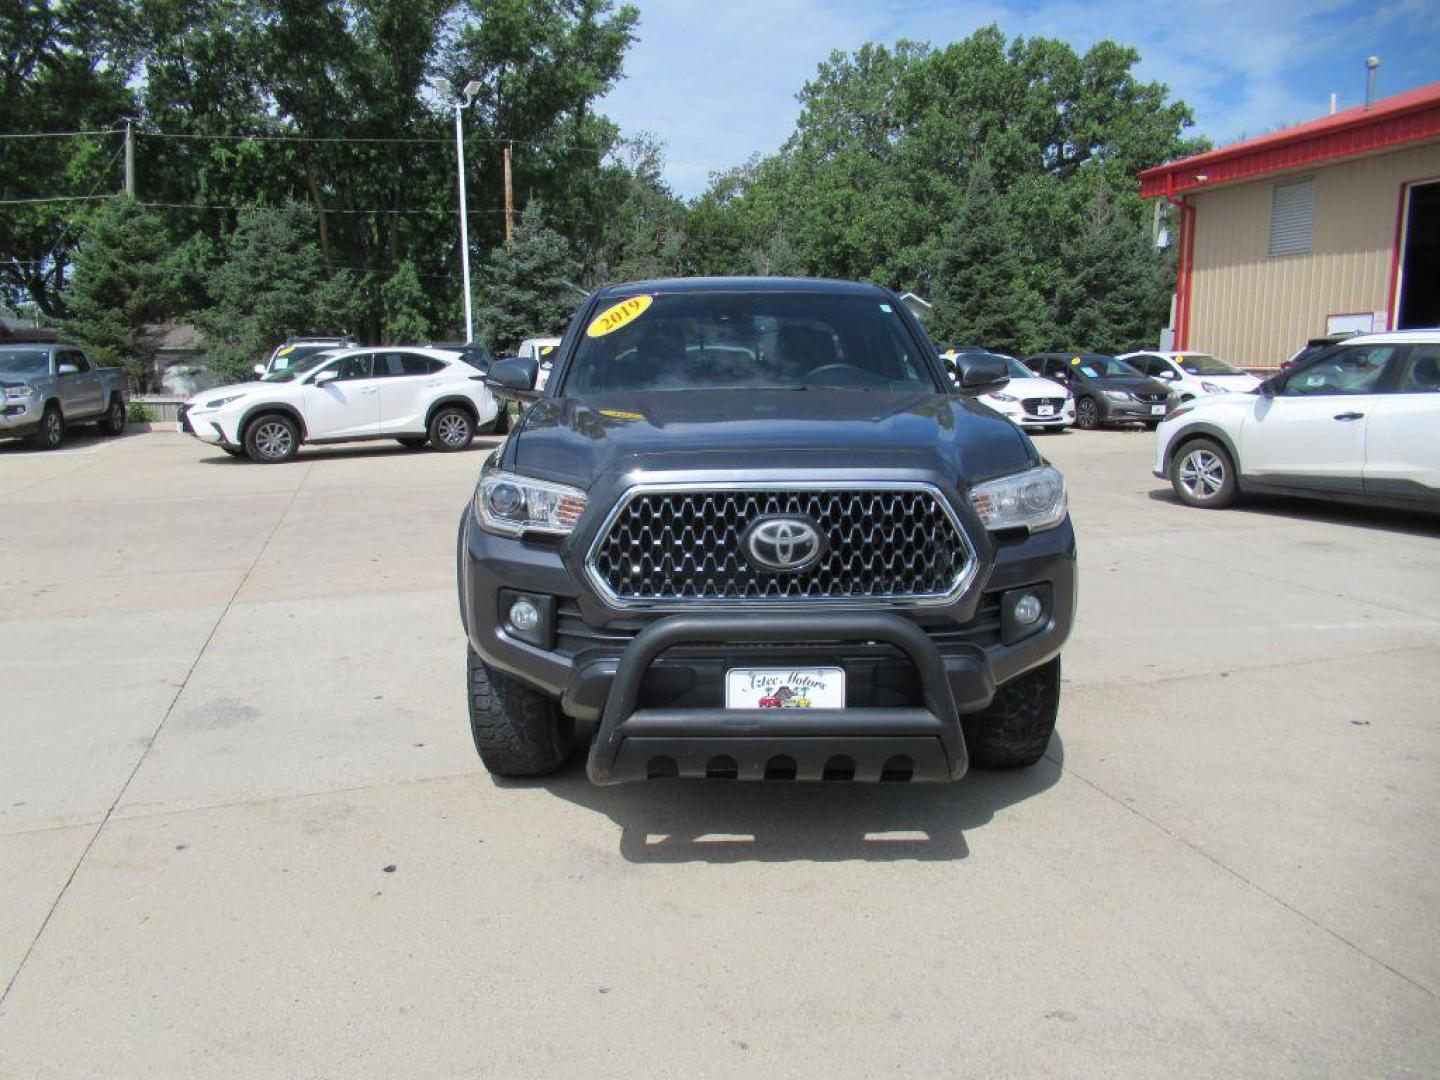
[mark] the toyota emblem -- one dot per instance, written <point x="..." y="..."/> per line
<point x="783" y="544"/>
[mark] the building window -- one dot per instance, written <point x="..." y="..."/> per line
<point x="1292" y="217"/>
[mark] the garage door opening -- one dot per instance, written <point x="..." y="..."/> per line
<point x="1420" y="259"/>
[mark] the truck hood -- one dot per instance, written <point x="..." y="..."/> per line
<point x="580" y="441"/>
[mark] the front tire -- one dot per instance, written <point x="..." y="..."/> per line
<point x="1014" y="730"/>
<point x="51" y="432"/>
<point x="1203" y="475"/>
<point x="518" y="731"/>
<point x="451" y="429"/>
<point x="272" y="439"/>
<point x="113" y="423"/>
<point x="1087" y="414"/>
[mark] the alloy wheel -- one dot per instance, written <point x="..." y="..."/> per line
<point x="273" y="440"/>
<point x="453" y="429"/>
<point x="1202" y="474"/>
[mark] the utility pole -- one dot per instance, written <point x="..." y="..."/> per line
<point x="464" y="227"/>
<point x="459" y="103"/>
<point x="509" y="198"/>
<point x="129" y="160"/>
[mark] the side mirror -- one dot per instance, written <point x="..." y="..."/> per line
<point x="329" y="375"/>
<point x="1269" y="387"/>
<point x="514" y="377"/>
<point x="1167" y="375"/>
<point x="67" y="369"/>
<point x="980" y="373"/>
<point x="259" y="370"/>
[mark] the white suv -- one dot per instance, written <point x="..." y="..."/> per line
<point x="1356" y="422"/>
<point x="413" y="395"/>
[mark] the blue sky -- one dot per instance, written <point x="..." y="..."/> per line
<point x="717" y="81"/>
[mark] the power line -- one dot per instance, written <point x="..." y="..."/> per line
<point x="290" y="138"/>
<point x="53" y="198"/>
<point x="58" y="134"/>
<point x="327" y="210"/>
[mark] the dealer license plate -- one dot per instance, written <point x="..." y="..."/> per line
<point x="1045" y="410"/>
<point x="785" y="688"/>
<point x="1157" y="410"/>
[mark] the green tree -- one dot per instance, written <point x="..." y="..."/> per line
<point x="1115" y="291"/>
<point x="128" y="277"/>
<point x="406" y="317"/>
<point x="526" y="285"/>
<point x="64" y="67"/>
<point x="269" y="283"/>
<point x="979" y="289"/>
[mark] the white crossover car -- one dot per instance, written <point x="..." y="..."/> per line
<point x="542" y="351"/>
<point x="1032" y="402"/>
<point x="1192" y="374"/>
<point x="1355" y="422"/>
<point x="414" y="395"/>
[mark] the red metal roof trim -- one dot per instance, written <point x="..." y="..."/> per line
<point x="1391" y="122"/>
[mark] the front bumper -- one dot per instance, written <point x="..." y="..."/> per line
<point x="653" y="680"/>
<point x="1131" y="412"/>
<point x="204" y="424"/>
<point x="19" y="417"/>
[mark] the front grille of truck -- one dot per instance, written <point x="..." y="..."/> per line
<point x="885" y="543"/>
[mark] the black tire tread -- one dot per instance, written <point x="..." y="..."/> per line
<point x="1015" y="729"/>
<point x="518" y="731"/>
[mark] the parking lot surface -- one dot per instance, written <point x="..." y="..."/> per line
<point x="243" y="831"/>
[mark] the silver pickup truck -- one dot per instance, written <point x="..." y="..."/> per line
<point x="46" y="388"/>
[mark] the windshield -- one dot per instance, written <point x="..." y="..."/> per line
<point x="1199" y="364"/>
<point x="746" y="340"/>
<point x="1017" y="369"/>
<point x="24" y="362"/>
<point x="309" y="362"/>
<point x="289" y="356"/>
<point x="1094" y="366"/>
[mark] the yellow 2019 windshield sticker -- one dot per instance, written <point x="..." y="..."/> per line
<point x="618" y="315"/>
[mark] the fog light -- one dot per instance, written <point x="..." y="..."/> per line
<point x="1028" y="608"/>
<point x="525" y="616"/>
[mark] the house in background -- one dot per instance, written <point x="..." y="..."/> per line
<point x="1322" y="228"/>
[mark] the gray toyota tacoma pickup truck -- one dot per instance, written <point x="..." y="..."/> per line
<point x="751" y="530"/>
<point x="46" y="388"/>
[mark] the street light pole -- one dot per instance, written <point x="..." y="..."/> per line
<point x="464" y="224"/>
<point x="458" y="103"/>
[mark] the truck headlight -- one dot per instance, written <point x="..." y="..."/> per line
<point x="18" y="393"/>
<point x="1116" y="395"/>
<point x="1033" y="499"/>
<point x="510" y="505"/>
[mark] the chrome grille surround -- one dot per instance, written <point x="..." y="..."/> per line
<point x="934" y="551"/>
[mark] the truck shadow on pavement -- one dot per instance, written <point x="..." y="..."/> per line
<point x="1412" y="522"/>
<point x="677" y="821"/>
<point x="355" y="451"/>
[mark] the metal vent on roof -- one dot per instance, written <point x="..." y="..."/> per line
<point x="1292" y="217"/>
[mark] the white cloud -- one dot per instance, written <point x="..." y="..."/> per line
<point x="717" y="82"/>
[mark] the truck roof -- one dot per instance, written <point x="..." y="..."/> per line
<point x="743" y="284"/>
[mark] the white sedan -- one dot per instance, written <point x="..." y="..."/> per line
<point x="1192" y="375"/>
<point x="1356" y="422"/>
<point x="413" y="395"/>
<point x="1032" y="402"/>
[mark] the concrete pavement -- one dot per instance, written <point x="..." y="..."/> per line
<point x="243" y="831"/>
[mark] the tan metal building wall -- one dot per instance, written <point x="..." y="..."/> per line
<point x="1255" y="309"/>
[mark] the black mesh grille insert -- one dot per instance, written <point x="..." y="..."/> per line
<point x="679" y="545"/>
